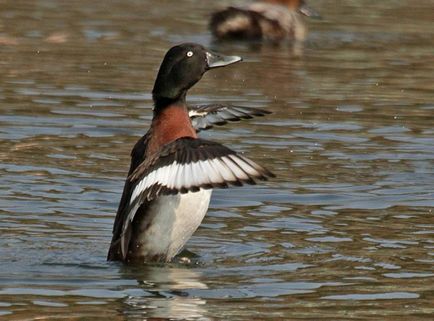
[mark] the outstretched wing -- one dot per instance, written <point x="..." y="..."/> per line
<point x="206" y="116"/>
<point x="185" y="165"/>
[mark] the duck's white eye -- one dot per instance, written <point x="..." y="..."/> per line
<point x="190" y="53"/>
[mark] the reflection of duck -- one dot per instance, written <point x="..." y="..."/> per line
<point x="167" y="291"/>
<point x="273" y="20"/>
<point x="168" y="189"/>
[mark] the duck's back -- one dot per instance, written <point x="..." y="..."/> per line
<point x="236" y="23"/>
<point x="258" y="21"/>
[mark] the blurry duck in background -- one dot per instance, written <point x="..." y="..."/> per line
<point x="271" y="20"/>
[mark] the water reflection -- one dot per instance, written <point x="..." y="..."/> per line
<point x="168" y="291"/>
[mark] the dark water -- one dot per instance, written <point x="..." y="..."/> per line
<point x="345" y="231"/>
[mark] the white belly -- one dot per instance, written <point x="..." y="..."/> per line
<point x="175" y="220"/>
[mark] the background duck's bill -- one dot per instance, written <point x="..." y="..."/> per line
<point x="309" y="11"/>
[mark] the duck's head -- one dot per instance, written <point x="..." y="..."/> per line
<point x="182" y="67"/>
<point x="299" y="5"/>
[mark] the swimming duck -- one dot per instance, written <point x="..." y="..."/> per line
<point x="272" y="20"/>
<point x="172" y="172"/>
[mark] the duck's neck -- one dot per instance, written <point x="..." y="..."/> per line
<point x="162" y="103"/>
<point x="171" y="121"/>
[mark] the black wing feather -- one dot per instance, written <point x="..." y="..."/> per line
<point x="206" y="116"/>
<point x="137" y="157"/>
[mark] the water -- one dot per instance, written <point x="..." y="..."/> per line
<point x="344" y="232"/>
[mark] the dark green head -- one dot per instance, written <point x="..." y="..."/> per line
<point x="182" y="67"/>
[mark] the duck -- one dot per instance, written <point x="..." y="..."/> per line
<point x="270" y="20"/>
<point x="173" y="172"/>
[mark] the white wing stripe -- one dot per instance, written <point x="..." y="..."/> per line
<point x="235" y="169"/>
<point x="190" y="176"/>
<point x="216" y="171"/>
<point x="188" y="179"/>
<point x="213" y="176"/>
<point x="228" y="168"/>
<point x="167" y="173"/>
<point x="246" y="167"/>
<point x="225" y="171"/>
<point x="196" y="113"/>
<point x="200" y="176"/>
<point x="251" y="163"/>
<point x="177" y="176"/>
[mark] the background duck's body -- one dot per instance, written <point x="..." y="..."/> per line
<point x="267" y="20"/>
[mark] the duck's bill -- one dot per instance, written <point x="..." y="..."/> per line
<point x="215" y="60"/>
<point x="309" y="11"/>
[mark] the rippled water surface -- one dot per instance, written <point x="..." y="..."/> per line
<point x="345" y="231"/>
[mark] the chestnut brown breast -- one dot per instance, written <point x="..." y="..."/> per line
<point x="170" y="124"/>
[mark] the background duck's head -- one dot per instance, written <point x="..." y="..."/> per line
<point x="299" y="5"/>
<point x="182" y="67"/>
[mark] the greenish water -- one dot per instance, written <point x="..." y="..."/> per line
<point x="345" y="231"/>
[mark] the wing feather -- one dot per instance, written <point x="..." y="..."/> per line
<point x="184" y="165"/>
<point x="206" y="116"/>
<point x="189" y="164"/>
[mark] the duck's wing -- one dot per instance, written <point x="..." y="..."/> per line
<point x="206" y="116"/>
<point x="137" y="157"/>
<point x="185" y="165"/>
